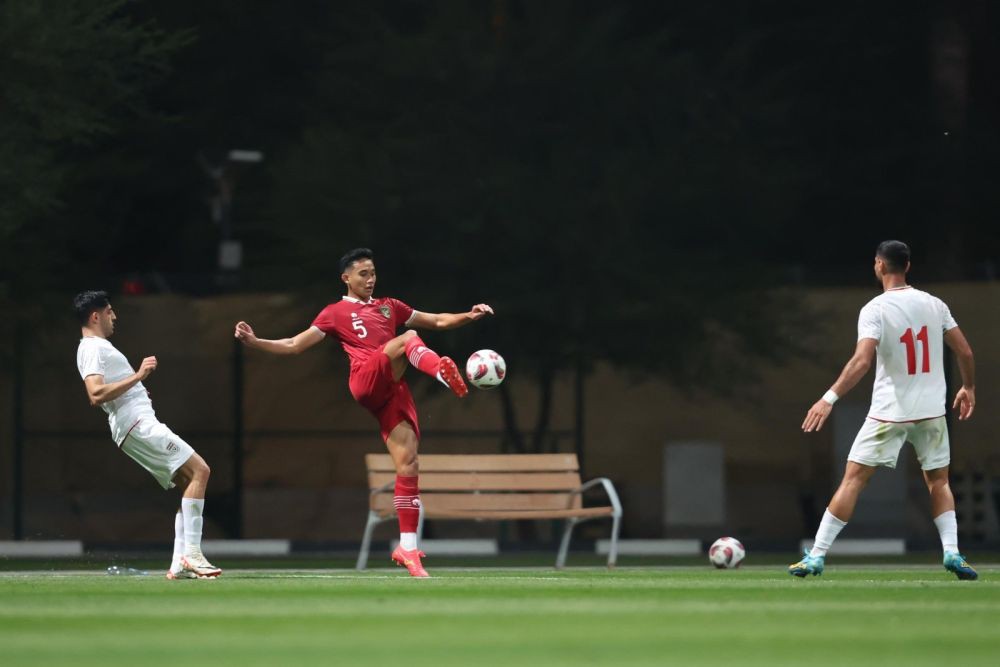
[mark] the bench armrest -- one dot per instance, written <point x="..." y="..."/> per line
<point x="385" y="488"/>
<point x="609" y="489"/>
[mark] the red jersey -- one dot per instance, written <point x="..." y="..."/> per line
<point x="363" y="327"/>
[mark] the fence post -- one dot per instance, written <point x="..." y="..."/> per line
<point x="237" y="439"/>
<point x="578" y="417"/>
<point x="17" y="489"/>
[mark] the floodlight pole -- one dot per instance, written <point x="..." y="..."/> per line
<point x="578" y="406"/>
<point x="237" y="438"/>
<point x="17" y="489"/>
<point x="223" y="176"/>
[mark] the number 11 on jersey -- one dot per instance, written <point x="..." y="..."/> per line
<point x="910" y="341"/>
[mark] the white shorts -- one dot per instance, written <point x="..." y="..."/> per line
<point x="157" y="449"/>
<point x="878" y="443"/>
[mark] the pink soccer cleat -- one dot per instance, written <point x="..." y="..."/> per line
<point x="195" y="561"/>
<point x="410" y="560"/>
<point x="452" y="377"/>
<point x="183" y="574"/>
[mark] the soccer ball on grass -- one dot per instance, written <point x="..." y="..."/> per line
<point x="726" y="553"/>
<point x="485" y="369"/>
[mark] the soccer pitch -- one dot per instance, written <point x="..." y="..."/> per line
<point x="853" y="615"/>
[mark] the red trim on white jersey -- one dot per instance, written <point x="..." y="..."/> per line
<point x="128" y="433"/>
<point x="910" y="421"/>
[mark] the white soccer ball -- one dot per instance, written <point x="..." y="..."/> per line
<point x="726" y="553"/>
<point x="485" y="369"/>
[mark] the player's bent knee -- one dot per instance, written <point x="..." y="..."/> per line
<point x="938" y="486"/>
<point x="199" y="468"/>
<point x="409" y="462"/>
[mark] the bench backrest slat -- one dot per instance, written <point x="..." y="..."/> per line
<point x="485" y="502"/>
<point x="485" y="481"/>
<point x="481" y="463"/>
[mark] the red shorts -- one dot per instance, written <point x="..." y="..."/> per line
<point x="389" y="401"/>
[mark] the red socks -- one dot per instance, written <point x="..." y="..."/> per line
<point x="421" y="356"/>
<point x="407" y="503"/>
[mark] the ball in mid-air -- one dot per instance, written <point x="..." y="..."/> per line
<point x="485" y="369"/>
<point x="726" y="553"/>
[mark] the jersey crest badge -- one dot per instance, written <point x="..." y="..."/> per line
<point x="386" y="313"/>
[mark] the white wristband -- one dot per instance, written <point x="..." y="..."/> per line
<point x="830" y="397"/>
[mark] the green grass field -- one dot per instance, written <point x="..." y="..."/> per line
<point x="853" y="615"/>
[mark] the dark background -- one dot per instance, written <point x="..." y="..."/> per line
<point x="522" y="153"/>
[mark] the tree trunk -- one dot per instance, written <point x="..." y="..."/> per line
<point x="512" y="442"/>
<point x="542" y="423"/>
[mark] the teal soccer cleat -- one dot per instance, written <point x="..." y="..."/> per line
<point x="808" y="565"/>
<point x="955" y="562"/>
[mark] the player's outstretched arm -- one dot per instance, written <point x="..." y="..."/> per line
<point x="98" y="392"/>
<point x="965" y="398"/>
<point x="855" y="369"/>
<point x="299" y="343"/>
<point x="449" y="320"/>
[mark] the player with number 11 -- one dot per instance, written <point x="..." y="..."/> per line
<point x="905" y="329"/>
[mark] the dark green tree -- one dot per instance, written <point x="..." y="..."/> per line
<point x="71" y="75"/>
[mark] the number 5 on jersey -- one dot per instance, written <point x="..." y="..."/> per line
<point x="359" y="326"/>
<point x="910" y="341"/>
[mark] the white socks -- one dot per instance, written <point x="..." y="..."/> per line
<point x="175" y="562"/>
<point x="192" y="509"/>
<point x="408" y="541"/>
<point x="947" y="526"/>
<point x="827" y="532"/>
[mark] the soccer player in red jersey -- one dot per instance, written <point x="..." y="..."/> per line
<point x="366" y="328"/>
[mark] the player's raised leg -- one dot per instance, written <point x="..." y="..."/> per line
<point x="943" y="510"/>
<point x="402" y="444"/>
<point x="836" y="516"/>
<point x="193" y="478"/>
<point x="409" y="349"/>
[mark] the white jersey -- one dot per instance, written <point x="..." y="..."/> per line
<point x="909" y="326"/>
<point x="96" y="356"/>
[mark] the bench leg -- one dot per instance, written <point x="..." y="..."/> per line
<point x="420" y="525"/>
<point x="366" y="541"/>
<point x="564" y="546"/>
<point x="613" y="551"/>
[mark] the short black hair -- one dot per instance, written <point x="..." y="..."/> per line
<point x="353" y="256"/>
<point x="896" y="255"/>
<point x="88" y="302"/>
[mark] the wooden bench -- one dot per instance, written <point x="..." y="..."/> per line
<point x="495" y="487"/>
